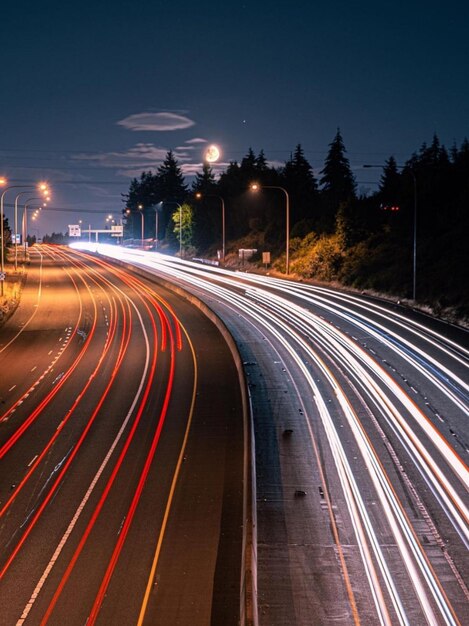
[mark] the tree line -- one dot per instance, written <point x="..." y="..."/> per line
<point x="337" y="234"/>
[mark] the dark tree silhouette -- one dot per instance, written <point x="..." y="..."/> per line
<point x="151" y="189"/>
<point x="298" y="179"/>
<point x="206" y="212"/>
<point x="171" y="180"/>
<point x="204" y="182"/>
<point x="337" y="181"/>
<point x="390" y="183"/>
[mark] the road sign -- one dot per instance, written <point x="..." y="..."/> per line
<point x="117" y="230"/>
<point x="2" y="275"/>
<point x="74" y="230"/>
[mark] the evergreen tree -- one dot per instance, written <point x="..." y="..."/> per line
<point x="171" y="188"/>
<point x="337" y="178"/>
<point x="299" y="180"/>
<point x="234" y="184"/>
<point x="204" y="182"/>
<point x="249" y="165"/>
<point x="230" y="181"/>
<point x="143" y="192"/>
<point x="390" y="183"/>
<point x="261" y="162"/>
<point x="206" y="210"/>
<point x="171" y="185"/>
<point x="434" y="155"/>
<point x="337" y="182"/>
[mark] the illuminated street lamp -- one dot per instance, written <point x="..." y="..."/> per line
<point x="199" y="196"/>
<point x="3" y="181"/>
<point x="180" y="229"/>
<point x="414" y="244"/>
<point x="21" y="193"/>
<point x="140" y="208"/>
<point x="257" y="187"/>
<point x="156" y="208"/>
<point x="25" y="220"/>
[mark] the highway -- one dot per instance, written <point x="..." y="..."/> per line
<point x="122" y="453"/>
<point x="360" y="419"/>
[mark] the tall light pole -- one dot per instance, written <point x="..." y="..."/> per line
<point x="180" y="230"/>
<point x="414" y="244"/>
<point x="159" y="204"/>
<point x="25" y="221"/>
<point x="199" y="195"/>
<point x="256" y="187"/>
<point x="3" y="182"/>
<point x="140" y="208"/>
<point x="21" y="193"/>
<point x="42" y="187"/>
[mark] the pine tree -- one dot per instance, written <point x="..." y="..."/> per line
<point x="390" y="183"/>
<point x="171" y="188"/>
<point x="171" y="180"/>
<point x="261" y="162"/>
<point x="143" y="192"/>
<point x="337" y="178"/>
<point x="299" y="180"/>
<point x="206" y="210"/>
<point x="249" y="161"/>
<point x="204" y="182"/>
<point x="337" y="182"/>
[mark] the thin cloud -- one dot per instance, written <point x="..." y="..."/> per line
<point x="163" y="121"/>
<point x="197" y="140"/>
<point x="131" y="163"/>
<point x="141" y="155"/>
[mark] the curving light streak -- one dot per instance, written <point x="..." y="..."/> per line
<point x="282" y="314"/>
<point x="149" y="299"/>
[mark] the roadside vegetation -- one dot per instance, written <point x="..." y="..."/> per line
<point x="360" y="240"/>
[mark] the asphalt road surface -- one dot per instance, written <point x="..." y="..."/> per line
<point x="361" y="421"/>
<point x="121" y="453"/>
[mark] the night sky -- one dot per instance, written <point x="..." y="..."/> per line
<point x="92" y="93"/>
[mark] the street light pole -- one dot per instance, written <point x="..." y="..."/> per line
<point x="414" y="244"/>
<point x="414" y="255"/>
<point x="21" y="193"/>
<point x="159" y="204"/>
<point x="25" y="222"/>
<point x="180" y="230"/>
<point x="140" y="208"/>
<point x="2" y="233"/>
<point x="255" y="187"/>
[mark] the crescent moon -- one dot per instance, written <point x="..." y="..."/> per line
<point x="212" y="154"/>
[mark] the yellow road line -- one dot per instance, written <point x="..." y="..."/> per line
<point x="156" y="557"/>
